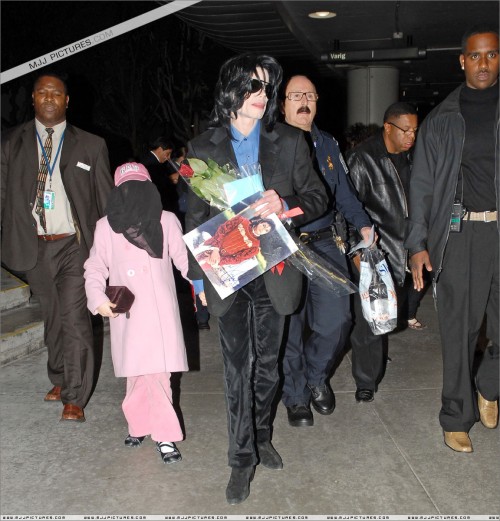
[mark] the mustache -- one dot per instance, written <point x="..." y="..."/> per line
<point x="304" y="109"/>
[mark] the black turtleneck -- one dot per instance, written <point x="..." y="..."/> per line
<point x="479" y="109"/>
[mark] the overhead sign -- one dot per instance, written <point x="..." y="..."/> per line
<point x="408" y="53"/>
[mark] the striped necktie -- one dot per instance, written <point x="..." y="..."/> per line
<point x="43" y="170"/>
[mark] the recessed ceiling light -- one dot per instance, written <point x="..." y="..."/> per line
<point x="322" y="14"/>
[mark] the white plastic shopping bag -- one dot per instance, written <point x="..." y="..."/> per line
<point x="377" y="293"/>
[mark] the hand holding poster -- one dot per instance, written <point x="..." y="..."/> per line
<point x="230" y="247"/>
<point x="224" y="187"/>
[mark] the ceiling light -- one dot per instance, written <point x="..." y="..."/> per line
<point x="320" y="15"/>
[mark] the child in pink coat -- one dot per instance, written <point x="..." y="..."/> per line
<point x="134" y="246"/>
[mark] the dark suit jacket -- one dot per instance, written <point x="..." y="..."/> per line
<point x="159" y="173"/>
<point x="286" y="168"/>
<point x="87" y="190"/>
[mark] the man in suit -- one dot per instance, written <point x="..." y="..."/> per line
<point x="251" y="321"/>
<point x="160" y="170"/>
<point x="55" y="183"/>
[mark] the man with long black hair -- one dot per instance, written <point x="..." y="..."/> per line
<point x="251" y="321"/>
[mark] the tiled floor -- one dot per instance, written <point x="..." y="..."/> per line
<point x="385" y="457"/>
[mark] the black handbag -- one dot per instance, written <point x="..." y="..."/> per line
<point x="122" y="297"/>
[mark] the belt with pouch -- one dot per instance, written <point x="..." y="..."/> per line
<point x="316" y="235"/>
<point x="486" y="217"/>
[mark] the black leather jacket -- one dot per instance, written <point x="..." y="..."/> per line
<point x="381" y="191"/>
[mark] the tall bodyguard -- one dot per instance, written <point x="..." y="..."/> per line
<point x="55" y="182"/>
<point x="453" y="231"/>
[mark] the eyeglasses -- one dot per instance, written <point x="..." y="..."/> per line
<point x="297" y="96"/>
<point x="257" y="85"/>
<point x="405" y="132"/>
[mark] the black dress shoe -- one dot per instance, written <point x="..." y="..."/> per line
<point x="134" y="441"/>
<point x="364" y="395"/>
<point x="323" y="399"/>
<point x="269" y="456"/>
<point x="300" y="416"/>
<point x="204" y="325"/>
<point x="238" y="488"/>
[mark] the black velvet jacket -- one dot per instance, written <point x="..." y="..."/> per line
<point x="286" y="168"/>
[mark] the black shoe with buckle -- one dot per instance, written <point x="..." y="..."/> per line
<point x="169" y="453"/>
<point x="134" y="441"/>
<point x="323" y="399"/>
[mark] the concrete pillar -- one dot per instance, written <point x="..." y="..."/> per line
<point x="370" y="90"/>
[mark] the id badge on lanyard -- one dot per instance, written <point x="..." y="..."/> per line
<point x="49" y="196"/>
<point x="49" y="199"/>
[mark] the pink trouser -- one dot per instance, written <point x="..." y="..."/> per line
<point x="148" y="408"/>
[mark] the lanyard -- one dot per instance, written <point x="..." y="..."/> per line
<point x="47" y="162"/>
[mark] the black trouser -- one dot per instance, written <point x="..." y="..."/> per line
<point x="250" y="335"/>
<point x="368" y="349"/>
<point x="413" y="301"/>
<point x="487" y="378"/>
<point x="467" y="288"/>
<point x="329" y="319"/>
<point x="57" y="280"/>
<point x="367" y="353"/>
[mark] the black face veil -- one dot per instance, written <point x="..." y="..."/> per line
<point x="134" y="210"/>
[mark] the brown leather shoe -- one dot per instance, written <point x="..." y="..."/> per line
<point x="72" y="412"/>
<point x="488" y="412"/>
<point x="53" y="395"/>
<point x="458" y="441"/>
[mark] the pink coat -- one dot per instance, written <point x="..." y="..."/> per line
<point x="151" y="340"/>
